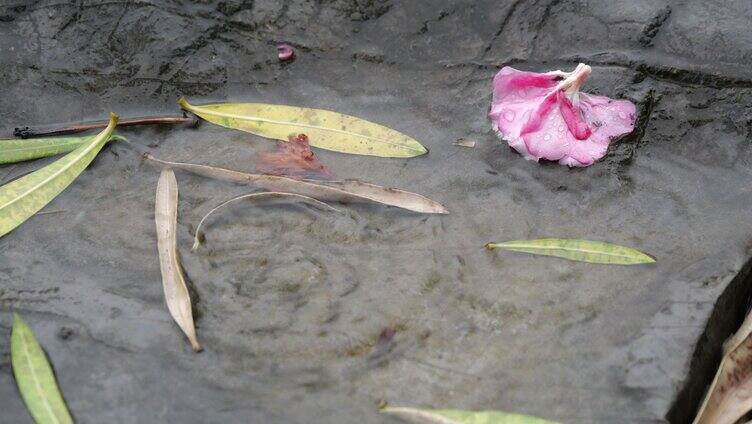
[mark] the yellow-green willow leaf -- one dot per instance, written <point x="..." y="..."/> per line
<point x="325" y="129"/>
<point x="455" y="416"/>
<point x="35" y="378"/>
<point x="22" y="198"/>
<point x="578" y="250"/>
<point x="19" y="150"/>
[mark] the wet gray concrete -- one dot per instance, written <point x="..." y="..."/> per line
<point x="291" y="301"/>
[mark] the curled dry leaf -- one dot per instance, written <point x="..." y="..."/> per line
<point x="577" y="250"/>
<point x="177" y="298"/>
<point x="455" y="416"/>
<point x="34" y="376"/>
<point x="259" y="196"/>
<point x="729" y="397"/>
<point x="348" y="191"/>
<point x="22" y="198"/>
<point x="327" y="130"/>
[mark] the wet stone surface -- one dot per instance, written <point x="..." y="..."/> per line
<point x="292" y="303"/>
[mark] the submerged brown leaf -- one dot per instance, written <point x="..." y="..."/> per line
<point x="177" y="298"/>
<point x="730" y="395"/>
<point x="348" y="191"/>
<point x="292" y="159"/>
<point x="259" y="196"/>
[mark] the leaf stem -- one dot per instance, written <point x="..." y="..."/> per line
<point x="190" y="121"/>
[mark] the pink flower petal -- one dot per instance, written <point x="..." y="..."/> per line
<point x="543" y="116"/>
<point x="575" y="124"/>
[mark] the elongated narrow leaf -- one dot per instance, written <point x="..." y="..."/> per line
<point x="454" y="416"/>
<point x="35" y="378"/>
<point x="25" y="196"/>
<point x="730" y="395"/>
<point x="349" y="191"/>
<point x="325" y="129"/>
<point x="177" y="298"/>
<point x="19" y="150"/>
<point x="260" y="196"/>
<point x="578" y="250"/>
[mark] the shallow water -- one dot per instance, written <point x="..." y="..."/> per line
<point x="291" y="301"/>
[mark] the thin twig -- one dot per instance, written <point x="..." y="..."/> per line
<point x="26" y="132"/>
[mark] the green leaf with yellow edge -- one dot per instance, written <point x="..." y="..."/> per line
<point x="22" y="198"/>
<point x="455" y="416"/>
<point x="19" y="150"/>
<point x="35" y="378"/>
<point x="578" y="250"/>
<point x="325" y="129"/>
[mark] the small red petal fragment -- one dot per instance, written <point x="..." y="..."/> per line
<point x="292" y="159"/>
<point x="285" y="52"/>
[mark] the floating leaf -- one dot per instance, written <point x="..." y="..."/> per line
<point x="22" y="198"/>
<point x="18" y="150"/>
<point x="327" y="130"/>
<point x="349" y="191"/>
<point x="454" y="416"/>
<point x="35" y="378"/>
<point x="730" y="395"/>
<point x="578" y="250"/>
<point x="177" y="298"/>
<point x="259" y="196"/>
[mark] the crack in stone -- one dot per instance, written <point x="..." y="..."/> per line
<point x="652" y="28"/>
<point x="673" y="74"/>
<point x="728" y="314"/>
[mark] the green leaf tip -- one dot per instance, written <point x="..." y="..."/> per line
<point x="183" y="103"/>
<point x="35" y="378"/>
<point x="578" y="250"/>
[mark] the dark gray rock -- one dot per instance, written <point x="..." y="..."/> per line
<point x="291" y="303"/>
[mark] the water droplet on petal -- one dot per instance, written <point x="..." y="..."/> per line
<point x="509" y="115"/>
<point x="547" y="137"/>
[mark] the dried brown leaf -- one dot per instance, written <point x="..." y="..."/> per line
<point x="177" y="298"/>
<point x="348" y="191"/>
<point x="730" y="395"/>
